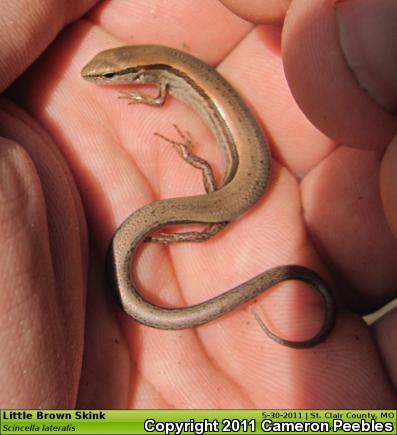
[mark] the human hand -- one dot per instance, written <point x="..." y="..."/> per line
<point x="119" y="166"/>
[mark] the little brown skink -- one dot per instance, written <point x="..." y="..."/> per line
<point x="247" y="161"/>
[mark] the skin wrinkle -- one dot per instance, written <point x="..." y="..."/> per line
<point x="248" y="397"/>
<point x="223" y="370"/>
<point x="209" y="360"/>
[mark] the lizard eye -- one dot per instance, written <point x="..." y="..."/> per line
<point x="108" y="75"/>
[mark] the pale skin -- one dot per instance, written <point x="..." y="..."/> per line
<point x="118" y="165"/>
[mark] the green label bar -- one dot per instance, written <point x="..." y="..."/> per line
<point x="198" y="422"/>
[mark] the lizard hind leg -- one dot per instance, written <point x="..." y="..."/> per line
<point x="184" y="149"/>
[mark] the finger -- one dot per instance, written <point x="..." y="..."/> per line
<point x="388" y="183"/>
<point x="345" y="90"/>
<point x="38" y="24"/>
<point x="343" y="209"/>
<point x="258" y="11"/>
<point x="47" y="249"/>
<point x="30" y="326"/>
<point x="384" y="330"/>
<point x="176" y="24"/>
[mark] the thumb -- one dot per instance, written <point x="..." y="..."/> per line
<point x="340" y="60"/>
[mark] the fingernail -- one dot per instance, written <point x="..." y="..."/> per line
<point x="368" y="38"/>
